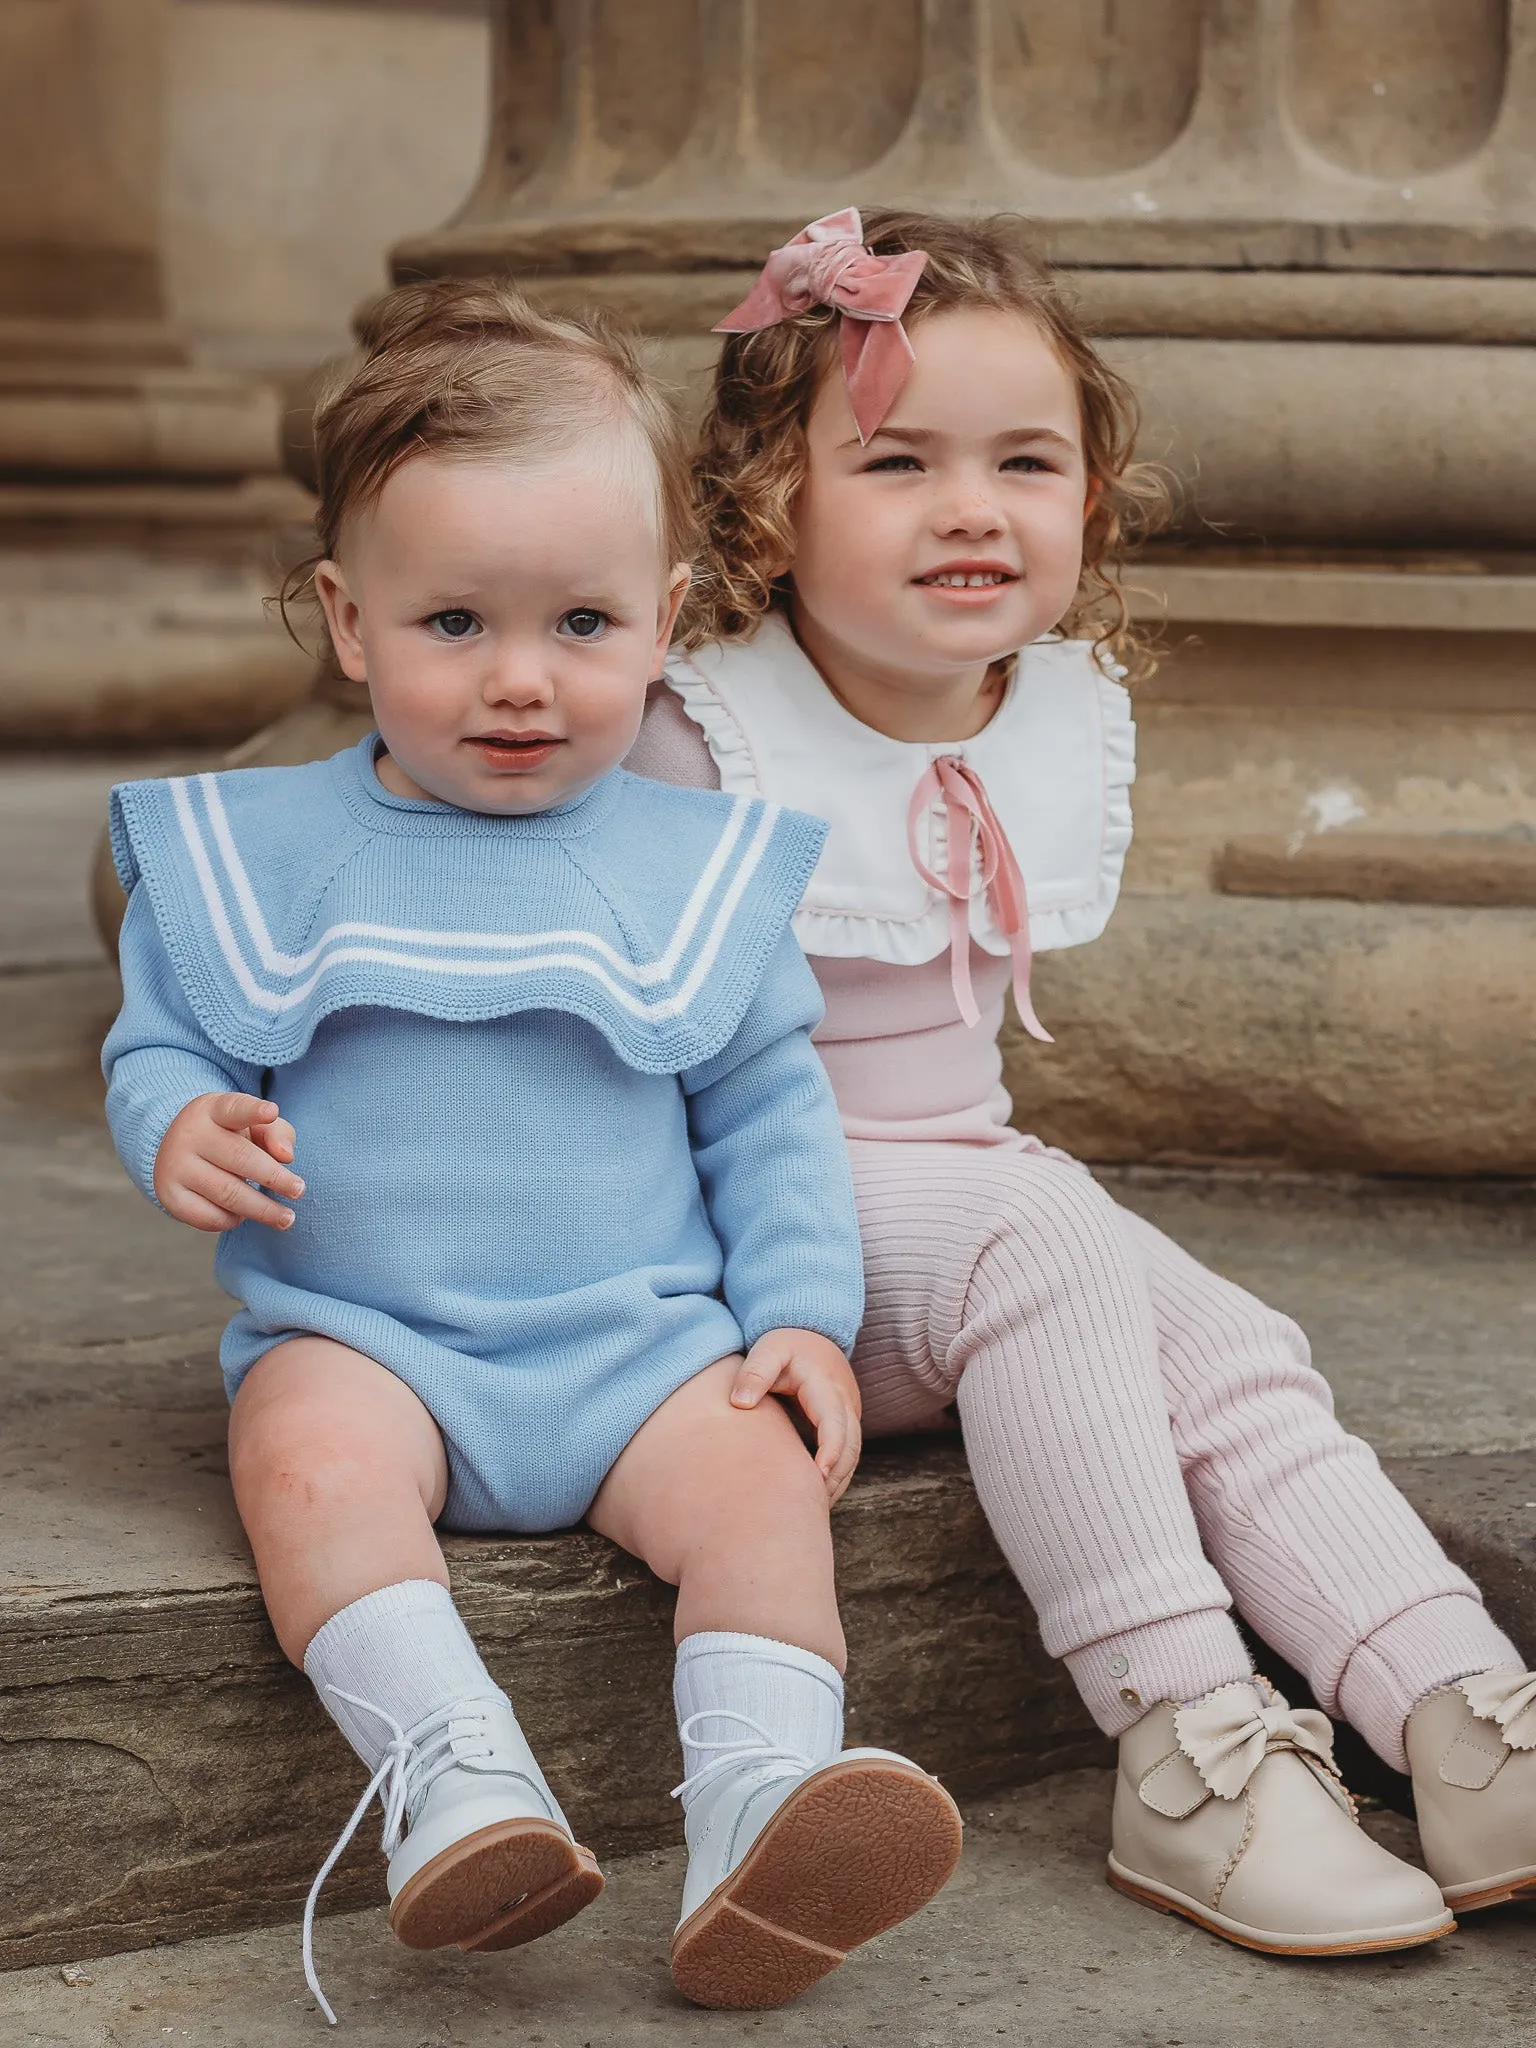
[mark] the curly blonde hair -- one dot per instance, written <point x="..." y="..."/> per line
<point x="751" y="458"/>
<point x="467" y="367"/>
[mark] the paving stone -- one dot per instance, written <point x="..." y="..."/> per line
<point x="1027" y="1945"/>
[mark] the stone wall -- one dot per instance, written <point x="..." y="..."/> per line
<point x="194" y="194"/>
<point x="303" y="138"/>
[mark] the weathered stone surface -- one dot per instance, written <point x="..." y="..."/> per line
<point x="148" y="1731"/>
<point x="199" y="1785"/>
<point x="1478" y="870"/>
<point x="141" y="500"/>
<point x="1484" y="1511"/>
<point x="1027" y="1945"/>
<point x="1386" y="1038"/>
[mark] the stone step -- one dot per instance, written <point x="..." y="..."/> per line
<point x="198" y="1786"/>
<point x="1027" y="1944"/>
<point x="169" y="1775"/>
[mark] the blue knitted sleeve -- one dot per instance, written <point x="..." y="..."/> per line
<point x="157" y="1057"/>
<point x="774" y="1167"/>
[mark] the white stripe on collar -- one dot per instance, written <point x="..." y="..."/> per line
<point x="609" y="968"/>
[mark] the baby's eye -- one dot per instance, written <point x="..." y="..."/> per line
<point x="584" y="623"/>
<point x="891" y="463"/>
<point x="454" y="625"/>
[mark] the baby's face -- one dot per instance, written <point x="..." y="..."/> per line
<point x="956" y="535"/>
<point x="506" y="617"/>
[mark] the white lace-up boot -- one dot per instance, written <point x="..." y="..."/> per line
<point x="792" y="1864"/>
<point x="1472" y="1751"/>
<point x="1230" y="1811"/>
<point x="479" y="1852"/>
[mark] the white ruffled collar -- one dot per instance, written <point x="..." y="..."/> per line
<point x="1056" y="761"/>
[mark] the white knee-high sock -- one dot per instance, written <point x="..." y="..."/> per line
<point x="404" y="1650"/>
<point x="793" y="1695"/>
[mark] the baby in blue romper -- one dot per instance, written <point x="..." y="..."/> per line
<point x="574" y="1202"/>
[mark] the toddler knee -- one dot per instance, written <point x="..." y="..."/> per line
<point x="298" y="1449"/>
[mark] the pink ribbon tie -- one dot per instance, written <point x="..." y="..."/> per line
<point x="827" y="265"/>
<point x="969" y="818"/>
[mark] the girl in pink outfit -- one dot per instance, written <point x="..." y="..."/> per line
<point x="914" y="473"/>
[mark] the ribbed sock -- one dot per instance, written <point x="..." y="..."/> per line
<point x="795" y="1696"/>
<point x="1414" y="1654"/>
<point x="404" y="1650"/>
<point x="1183" y="1658"/>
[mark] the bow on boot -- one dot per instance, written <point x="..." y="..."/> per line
<point x="1223" y="1740"/>
<point x="1506" y="1697"/>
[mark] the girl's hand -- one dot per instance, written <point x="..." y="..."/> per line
<point x="215" y="1147"/>
<point x="808" y="1369"/>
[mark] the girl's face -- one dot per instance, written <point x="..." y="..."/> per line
<point x="956" y="535"/>
<point x="506" y="618"/>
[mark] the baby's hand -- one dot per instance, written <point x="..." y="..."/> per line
<point x="810" y="1370"/>
<point x="215" y="1147"/>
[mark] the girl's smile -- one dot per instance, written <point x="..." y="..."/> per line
<point x="968" y="583"/>
<point x="953" y="538"/>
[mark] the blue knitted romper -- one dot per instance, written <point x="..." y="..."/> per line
<point x="564" y="1136"/>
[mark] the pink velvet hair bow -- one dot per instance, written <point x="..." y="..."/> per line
<point x="827" y="264"/>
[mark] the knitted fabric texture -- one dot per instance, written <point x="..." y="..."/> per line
<point x="519" y="1213"/>
<point x="284" y="895"/>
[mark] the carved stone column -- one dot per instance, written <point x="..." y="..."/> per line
<point x="1306" y="230"/>
<point x="139" y="498"/>
<point x="1355" y="171"/>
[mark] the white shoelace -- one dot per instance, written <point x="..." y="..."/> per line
<point x="414" y="1759"/>
<point x="764" y="1750"/>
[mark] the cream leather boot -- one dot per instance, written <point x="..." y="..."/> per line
<point x="1472" y="1751"/>
<point x="1230" y="1811"/>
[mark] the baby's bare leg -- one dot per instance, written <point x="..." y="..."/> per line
<point x="339" y="1473"/>
<point x="726" y="1504"/>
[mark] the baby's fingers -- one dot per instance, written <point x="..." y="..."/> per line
<point x="277" y="1138"/>
<point x="231" y="1193"/>
<point x="200" y="1213"/>
<point x="754" y="1378"/>
<point x="246" y="1159"/>
<point x="237" y="1112"/>
<point x="839" y="1441"/>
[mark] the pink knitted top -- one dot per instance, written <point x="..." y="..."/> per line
<point x="902" y="1062"/>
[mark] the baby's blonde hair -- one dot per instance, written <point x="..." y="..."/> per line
<point x="461" y="367"/>
<point x="751" y="459"/>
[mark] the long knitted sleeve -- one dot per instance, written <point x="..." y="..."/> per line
<point x="157" y="1058"/>
<point x="774" y="1169"/>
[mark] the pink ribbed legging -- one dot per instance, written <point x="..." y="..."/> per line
<point x="1144" y="1437"/>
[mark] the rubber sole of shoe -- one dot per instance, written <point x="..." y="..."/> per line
<point x="855" y="1850"/>
<point x="1164" y="1900"/>
<point x="497" y="1888"/>
<point x="1491" y="1891"/>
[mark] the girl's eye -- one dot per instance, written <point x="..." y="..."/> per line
<point x="454" y="625"/>
<point x="1032" y="465"/>
<point x="891" y="464"/>
<point x="584" y="623"/>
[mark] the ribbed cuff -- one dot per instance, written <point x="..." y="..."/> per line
<point x="1416" y="1653"/>
<point x="404" y="1650"/>
<point x="1183" y="1658"/>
